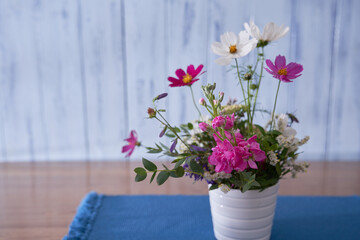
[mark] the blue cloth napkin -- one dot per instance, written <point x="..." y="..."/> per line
<point x="102" y="217"/>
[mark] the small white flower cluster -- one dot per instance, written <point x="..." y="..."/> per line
<point x="230" y="109"/>
<point x="224" y="188"/>
<point x="273" y="158"/>
<point x="218" y="175"/>
<point x="190" y="140"/>
<point x="296" y="167"/>
<point x="287" y="139"/>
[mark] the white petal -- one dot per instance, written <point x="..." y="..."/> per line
<point x="243" y="37"/>
<point x="281" y="33"/>
<point x="247" y="28"/>
<point x="228" y="39"/>
<point x="223" y="61"/>
<point x="220" y="49"/>
<point x="269" y="30"/>
<point x="248" y="47"/>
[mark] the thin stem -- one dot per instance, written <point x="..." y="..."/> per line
<point x="192" y="94"/>
<point x="260" y="78"/>
<point x="273" y="113"/>
<point x="169" y="126"/>
<point x="242" y="87"/>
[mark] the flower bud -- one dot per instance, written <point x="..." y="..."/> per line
<point x="161" y="96"/>
<point x="151" y="112"/>
<point x="221" y="96"/>
<point x="215" y="102"/>
<point x="247" y="76"/>
<point x="202" y="101"/>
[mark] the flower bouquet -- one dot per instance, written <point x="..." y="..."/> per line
<point x="227" y="148"/>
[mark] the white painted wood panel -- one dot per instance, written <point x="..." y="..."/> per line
<point x="77" y="76"/>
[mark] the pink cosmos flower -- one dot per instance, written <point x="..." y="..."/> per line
<point x="229" y="122"/>
<point x="282" y="71"/>
<point x="203" y="126"/>
<point x="132" y="140"/>
<point x="226" y="157"/>
<point x="218" y="121"/>
<point x="186" y="79"/>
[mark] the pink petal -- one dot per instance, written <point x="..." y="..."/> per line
<point x="198" y="70"/>
<point x="173" y="80"/>
<point x="294" y="68"/>
<point x="131" y="151"/>
<point x="126" y="148"/>
<point x="293" y="76"/>
<point x="270" y="64"/>
<point x="191" y="70"/>
<point x="180" y="73"/>
<point x="252" y="164"/>
<point x="178" y="84"/>
<point x="280" y="62"/>
<point x="269" y="71"/>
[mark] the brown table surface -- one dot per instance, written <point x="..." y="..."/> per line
<point x="38" y="200"/>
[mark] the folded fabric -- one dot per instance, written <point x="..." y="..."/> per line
<point x="102" y="217"/>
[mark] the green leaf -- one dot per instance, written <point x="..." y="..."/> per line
<point x="140" y="170"/>
<point x="213" y="186"/>
<point x="165" y="167"/>
<point x="180" y="162"/>
<point x="140" y="177"/>
<point x="245" y="187"/>
<point x="162" y="177"/>
<point x="176" y="129"/>
<point x="170" y="135"/>
<point x="261" y="129"/>
<point x="179" y="171"/>
<point x="152" y="177"/>
<point x="161" y="110"/>
<point x="149" y="165"/>
<point x="278" y="169"/>
<point x="195" y="167"/>
<point x="190" y="126"/>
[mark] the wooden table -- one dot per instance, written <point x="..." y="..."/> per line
<point x="38" y="200"/>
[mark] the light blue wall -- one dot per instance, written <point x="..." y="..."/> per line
<point x="77" y="76"/>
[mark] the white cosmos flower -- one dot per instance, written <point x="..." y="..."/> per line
<point x="271" y="32"/>
<point x="232" y="46"/>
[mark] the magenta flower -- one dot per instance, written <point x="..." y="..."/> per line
<point x="218" y="121"/>
<point x="132" y="140"/>
<point x="186" y="79"/>
<point x="282" y="71"/>
<point x="204" y="126"/>
<point x="229" y="122"/>
<point x="227" y="157"/>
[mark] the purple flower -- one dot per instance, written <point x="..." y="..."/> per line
<point x="160" y="96"/>
<point x="173" y="145"/>
<point x="199" y="149"/>
<point x="282" y="71"/>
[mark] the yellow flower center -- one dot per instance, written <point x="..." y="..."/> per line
<point x="187" y="78"/>
<point x="233" y="49"/>
<point x="282" y="71"/>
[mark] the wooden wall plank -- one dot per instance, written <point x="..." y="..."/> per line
<point x="187" y="30"/>
<point x="312" y="46"/>
<point x="43" y="117"/>
<point x="344" y="115"/>
<point x="104" y="58"/>
<point x="146" y="62"/>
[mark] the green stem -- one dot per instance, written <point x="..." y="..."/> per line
<point x="273" y="113"/>
<point x="171" y="128"/>
<point x="192" y="94"/>
<point x="260" y="78"/>
<point x="242" y="87"/>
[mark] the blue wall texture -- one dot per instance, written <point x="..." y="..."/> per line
<point x="77" y="76"/>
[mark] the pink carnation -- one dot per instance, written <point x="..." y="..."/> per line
<point x="203" y="126"/>
<point x="218" y="121"/>
<point x="226" y="157"/>
<point x="229" y="122"/>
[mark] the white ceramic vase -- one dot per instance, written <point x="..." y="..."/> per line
<point x="238" y="215"/>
